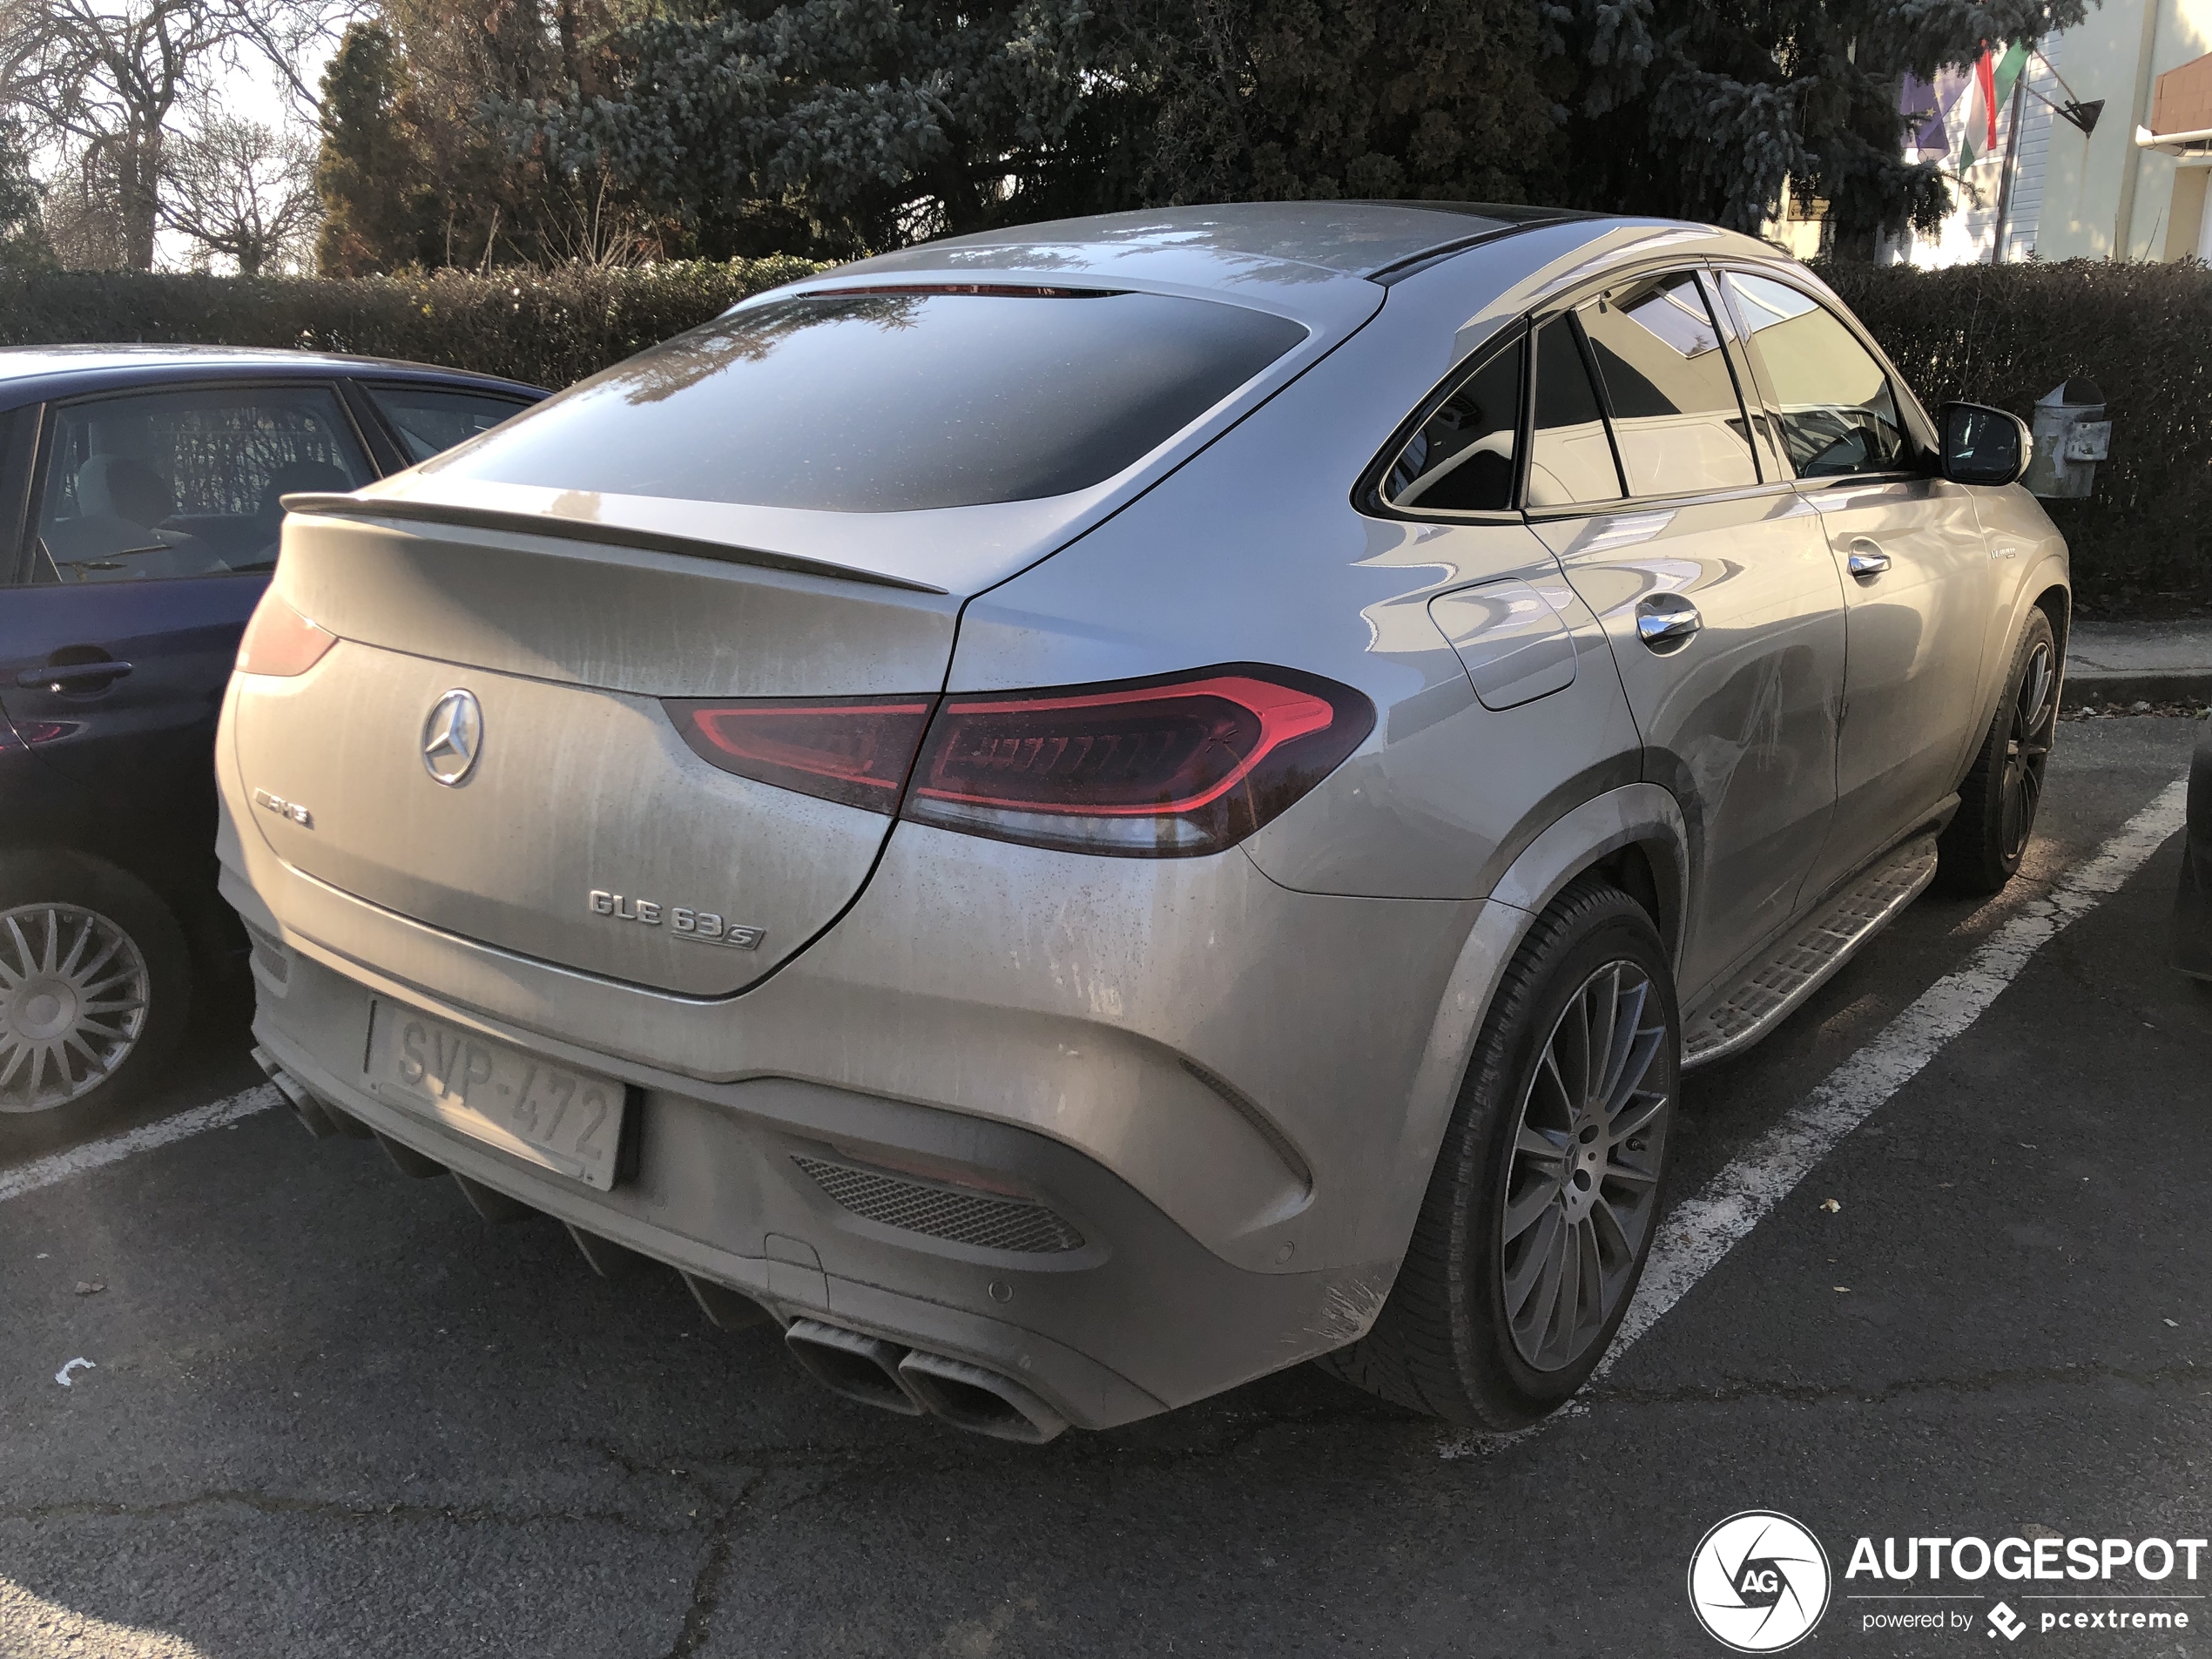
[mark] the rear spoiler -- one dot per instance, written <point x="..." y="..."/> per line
<point x="492" y="518"/>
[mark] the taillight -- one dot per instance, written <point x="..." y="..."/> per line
<point x="854" y="749"/>
<point x="1175" y="766"/>
<point x="279" y="641"/>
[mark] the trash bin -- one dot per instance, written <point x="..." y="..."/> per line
<point x="2071" y="436"/>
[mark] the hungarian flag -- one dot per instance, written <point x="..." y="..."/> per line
<point x="1993" y="78"/>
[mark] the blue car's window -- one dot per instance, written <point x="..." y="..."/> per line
<point x="886" y="401"/>
<point x="185" y="483"/>
<point x="431" y="419"/>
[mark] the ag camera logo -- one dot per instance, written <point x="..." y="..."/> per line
<point x="1758" y="1581"/>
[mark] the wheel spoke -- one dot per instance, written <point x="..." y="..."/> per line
<point x="1602" y="998"/>
<point x="30" y="962"/>
<point x="1522" y="1213"/>
<point x="1616" y="1170"/>
<point x="1542" y="1250"/>
<point x="1643" y="1049"/>
<point x="16" y="1054"/>
<point x="1570" y="1284"/>
<point x="1607" y="1226"/>
<point x="1545" y="1302"/>
<point x="1635" y="1117"/>
<point x="1539" y="1143"/>
<point x="75" y="947"/>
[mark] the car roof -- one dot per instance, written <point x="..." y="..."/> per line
<point x="1358" y="239"/>
<point x="1309" y="260"/>
<point x="52" y="371"/>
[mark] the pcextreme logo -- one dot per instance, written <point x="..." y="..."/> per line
<point x="1758" y="1581"/>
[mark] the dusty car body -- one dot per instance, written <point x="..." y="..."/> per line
<point x="1584" y="695"/>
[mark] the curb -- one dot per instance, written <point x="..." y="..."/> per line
<point x="2091" y="686"/>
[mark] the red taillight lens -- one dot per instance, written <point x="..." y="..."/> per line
<point x="1158" y="768"/>
<point x="856" y="750"/>
<point x="279" y="641"/>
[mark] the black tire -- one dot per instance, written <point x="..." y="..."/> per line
<point x="1445" y="1342"/>
<point x="68" y="888"/>
<point x="1980" y="850"/>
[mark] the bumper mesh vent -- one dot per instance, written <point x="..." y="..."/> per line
<point x="271" y="954"/>
<point x="943" y="1212"/>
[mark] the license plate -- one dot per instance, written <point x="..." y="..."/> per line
<point x="569" y="1121"/>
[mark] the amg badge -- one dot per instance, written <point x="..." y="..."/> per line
<point x="283" y="808"/>
<point x="700" y="927"/>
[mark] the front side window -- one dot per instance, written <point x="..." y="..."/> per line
<point x="890" y="401"/>
<point x="432" y="418"/>
<point x="1461" y="459"/>
<point x="185" y="483"/>
<point x="1675" y="418"/>
<point x="1838" y="414"/>
<point x="1570" y="457"/>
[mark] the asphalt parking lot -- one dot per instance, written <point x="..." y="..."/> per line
<point x="331" y="1411"/>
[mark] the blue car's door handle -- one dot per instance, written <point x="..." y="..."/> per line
<point x="69" y="677"/>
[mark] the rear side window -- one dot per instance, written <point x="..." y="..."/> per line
<point x="1838" y="416"/>
<point x="1570" y="458"/>
<point x="1675" y="418"/>
<point x="891" y="402"/>
<point x="431" y="419"/>
<point x="1461" y="459"/>
<point x="185" y="483"/>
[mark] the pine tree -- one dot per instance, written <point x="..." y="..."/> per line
<point x="1703" y="109"/>
<point x="370" y="171"/>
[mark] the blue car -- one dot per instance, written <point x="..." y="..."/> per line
<point x="141" y="494"/>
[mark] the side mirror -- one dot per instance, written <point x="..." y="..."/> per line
<point x="1984" y="446"/>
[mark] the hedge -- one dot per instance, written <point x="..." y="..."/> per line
<point x="546" y="328"/>
<point x="2000" y="335"/>
<point x="2005" y="334"/>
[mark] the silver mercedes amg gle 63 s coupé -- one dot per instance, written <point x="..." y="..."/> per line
<point x="1080" y="815"/>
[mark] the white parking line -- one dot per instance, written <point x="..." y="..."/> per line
<point x="93" y="1154"/>
<point x="1698" y="1232"/>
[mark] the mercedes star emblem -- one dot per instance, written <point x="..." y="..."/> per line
<point x="452" y="737"/>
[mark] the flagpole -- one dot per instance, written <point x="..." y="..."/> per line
<point x="2004" y="173"/>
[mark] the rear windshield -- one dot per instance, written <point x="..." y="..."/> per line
<point x="890" y="402"/>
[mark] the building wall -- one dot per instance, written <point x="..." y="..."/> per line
<point x="2069" y="197"/>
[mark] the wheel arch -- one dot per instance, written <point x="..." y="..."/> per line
<point x="1636" y="836"/>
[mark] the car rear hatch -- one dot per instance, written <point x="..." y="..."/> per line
<point x="581" y="783"/>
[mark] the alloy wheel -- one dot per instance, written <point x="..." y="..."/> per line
<point x="2027" y="751"/>
<point x="73" y="994"/>
<point x="1583" y="1180"/>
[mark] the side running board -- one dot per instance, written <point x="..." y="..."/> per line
<point x="1801" y="963"/>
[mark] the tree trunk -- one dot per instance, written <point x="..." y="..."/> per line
<point x="138" y="180"/>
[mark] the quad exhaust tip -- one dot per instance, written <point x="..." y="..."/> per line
<point x="910" y="1382"/>
<point x="315" y="1115"/>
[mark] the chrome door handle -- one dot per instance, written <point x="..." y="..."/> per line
<point x="70" y="677"/>
<point x="1866" y="560"/>
<point x="1665" y="621"/>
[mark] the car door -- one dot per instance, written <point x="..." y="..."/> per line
<point x="153" y="529"/>
<point x="1713" y="582"/>
<point x="1918" y="582"/>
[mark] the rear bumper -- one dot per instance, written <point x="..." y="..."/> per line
<point x="1139" y="1317"/>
